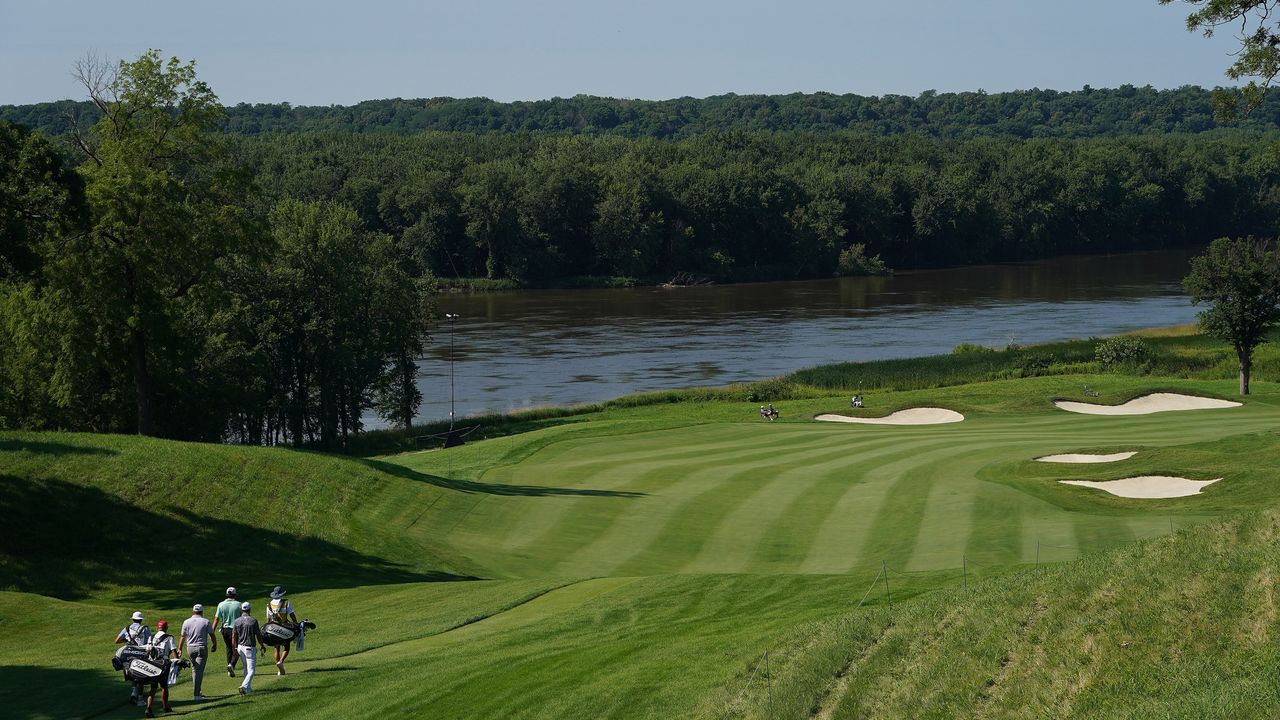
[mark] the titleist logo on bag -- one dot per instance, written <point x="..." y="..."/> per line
<point x="278" y="632"/>
<point x="145" y="669"/>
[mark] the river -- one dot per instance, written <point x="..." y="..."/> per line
<point x="523" y="349"/>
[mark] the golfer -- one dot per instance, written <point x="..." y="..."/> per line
<point x="224" y="617"/>
<point x="280" y="611"/>
<point x="197" y="634"/>
<point x="247" y="637"/>
<point x="135" y="633"/>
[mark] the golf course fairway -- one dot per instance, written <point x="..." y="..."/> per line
<point x="680" y="560"/>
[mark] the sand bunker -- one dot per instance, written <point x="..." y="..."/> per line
<point x="1147" y="404"/>
<point x="1147" y="486"/>
<point x="1083" y="458"/>
<point x="914" y="416"/>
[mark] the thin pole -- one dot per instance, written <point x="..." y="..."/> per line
<point x="452" y="318"/>
<point x="768" y="681"/>
<point x="884" y="568"/>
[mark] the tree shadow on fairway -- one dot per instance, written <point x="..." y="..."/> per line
<point x="68" y="541"/>
<point x="28" y="692"/>
<point x="50" y="448"/>
<point x="471" y="486"/>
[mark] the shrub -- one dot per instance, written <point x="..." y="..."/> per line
<point x="771" y="390"/>
<point x="1122" y="351"/>
<point x="854" y="261"/>
<point x="1034" y="364"/>
<point x="971" y="349"/>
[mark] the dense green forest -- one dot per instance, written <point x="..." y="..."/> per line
<point x="1089" y="112"/>
<point x="147" y="285"/>
<point x="743" y="206"/>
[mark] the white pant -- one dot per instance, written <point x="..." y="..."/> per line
<point x="250" y="655"/>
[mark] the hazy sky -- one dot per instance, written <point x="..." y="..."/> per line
<point x="340" y="51"/>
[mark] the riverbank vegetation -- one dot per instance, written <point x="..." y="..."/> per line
<point x="541" y="210"/>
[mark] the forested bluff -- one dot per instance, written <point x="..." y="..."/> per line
<point x="734" y="188"/>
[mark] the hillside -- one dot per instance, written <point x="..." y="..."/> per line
<point x="639" y="561"/>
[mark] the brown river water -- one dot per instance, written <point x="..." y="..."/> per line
<point x="530" y="348"/>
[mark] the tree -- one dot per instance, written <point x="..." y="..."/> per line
<point x="163" y="207"/>
<point x="1259" y="55"/>
<point x="1240" y="278"/>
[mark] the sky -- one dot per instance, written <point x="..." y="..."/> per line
<point x="323" y="52"/>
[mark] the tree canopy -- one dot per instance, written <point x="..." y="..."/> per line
<point x="1240" y="280"/>
<point x="1033" y="113"/>
<point x="155" y="289"/>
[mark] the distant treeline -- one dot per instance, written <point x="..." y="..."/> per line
<point x="1089" y="112"/>
<point x="739" y="206"/>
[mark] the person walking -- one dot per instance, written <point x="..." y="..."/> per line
<point x="160" y="648"/>
<point x="197" y="636"/>
<point x="247" y="636"/>
<point x="135" y="633"/>
<point x="280" y="611"/>
<point x="224" y="617"/>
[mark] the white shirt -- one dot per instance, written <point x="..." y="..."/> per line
<point x="162" y="644"/>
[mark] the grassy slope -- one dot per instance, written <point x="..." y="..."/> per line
<point x="1179" y="627"/>
<point x="694" y="489"/>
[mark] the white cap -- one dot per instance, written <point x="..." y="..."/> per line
<point x="231" y="591"/>
<point x="138" y="616"/>
<point x="245" y="606"/>
<point x="197" y="608"/>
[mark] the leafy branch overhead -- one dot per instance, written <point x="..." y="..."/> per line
<point x="1257" y="28"/>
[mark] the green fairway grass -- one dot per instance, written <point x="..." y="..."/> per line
<point x="639" y="560"/>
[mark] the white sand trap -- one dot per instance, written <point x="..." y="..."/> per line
<point x="1084" y="458"/>
<point x="1147" y="486"/>
<point x="1147" y="404"/>
<point x="914" y="416"/>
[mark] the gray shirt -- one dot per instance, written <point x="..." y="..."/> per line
<point x="195" y="630"/>
<point x="246" y="629"/>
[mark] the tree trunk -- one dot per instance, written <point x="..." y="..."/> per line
<point x="142" y="386"/>
<point x="1246" y="364"/>
<point x="408" y="373"/>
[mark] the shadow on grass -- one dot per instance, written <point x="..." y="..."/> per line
<point x="470" y="486"/>
<point x="68" y="541"/>
<point x="28" y="692"/>
<point x="50" y="448"/>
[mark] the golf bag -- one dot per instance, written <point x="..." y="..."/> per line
<point x="127" y="653"/>
<point x="145" y="670"/>
<point x="276" y="634"/>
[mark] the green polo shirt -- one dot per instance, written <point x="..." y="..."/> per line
<point x="228" y="611"/>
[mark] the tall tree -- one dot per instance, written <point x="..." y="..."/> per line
<point x="1240" y="279"/>
<point x="163" y="206"/>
